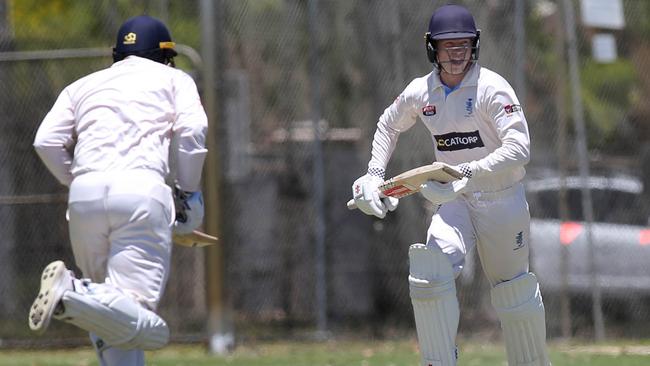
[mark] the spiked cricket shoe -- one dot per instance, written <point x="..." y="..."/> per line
<point x="55" y="280"/>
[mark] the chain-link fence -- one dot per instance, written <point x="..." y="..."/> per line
<point x="269" y="90"/>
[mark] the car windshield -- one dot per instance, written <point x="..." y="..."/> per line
<point x="611" y="203"/>
<point x="611" y="207"/>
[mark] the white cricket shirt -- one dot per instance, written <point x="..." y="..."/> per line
<point x="480" y="123"/>
<point x="123" y="118"/>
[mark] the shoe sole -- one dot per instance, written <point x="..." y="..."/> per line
<point x="52" y="288"/>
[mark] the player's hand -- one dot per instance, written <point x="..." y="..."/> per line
<point x="439" y="193"/>
<point x="189" y="211"/>
<point x="391" y="203"/>
<point x="365" y="191"/>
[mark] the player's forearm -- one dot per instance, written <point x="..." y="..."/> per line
<point x="190" y="156"/>
<point x="383" y="145"/>
<point x="513" y="153"/>
<point x="57" y="160"/>
<point x="191" y="133"/>
<point x="397" y="118"/>
<point x="190" y="166"/>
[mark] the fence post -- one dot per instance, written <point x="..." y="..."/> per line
<point x="583" y="167"/>
<point x="219" y="323"/>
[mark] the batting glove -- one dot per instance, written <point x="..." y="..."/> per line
<point x="365" y="191"/>
<point x="391" y="203"/>
<point x="439" y="193"/>
<point x="189" y="211"/>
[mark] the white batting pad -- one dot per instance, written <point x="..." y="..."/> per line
<point x="435" y="306"/>
<point x="518" y="303"/>
<point x="110" y="356"/>
<point x="115" y="318"/>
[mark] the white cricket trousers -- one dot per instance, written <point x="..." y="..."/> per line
<point x="498" y="223"/>
<point x="120" y="231"/>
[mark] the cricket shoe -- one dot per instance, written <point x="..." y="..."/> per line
<point x="55" y="280"/>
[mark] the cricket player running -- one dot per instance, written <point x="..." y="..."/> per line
<point x="108" y="137"/>
<point x="478" y="126"/>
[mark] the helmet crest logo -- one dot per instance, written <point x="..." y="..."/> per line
<point x="129" y="38"/>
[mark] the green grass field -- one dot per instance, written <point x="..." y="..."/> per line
<point x="339" y="353"/>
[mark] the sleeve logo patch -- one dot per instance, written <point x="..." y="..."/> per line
<point x="429" y="110"/>
<point x="512" y="108"/>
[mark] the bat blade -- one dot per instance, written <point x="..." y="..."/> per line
<point x="195" y="239"/>
<point x="399" y="191"/>
<point x="409" y="182"/>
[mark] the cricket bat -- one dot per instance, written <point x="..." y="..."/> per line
<point x="409" y="182"/>
<point x="194" y="239"/>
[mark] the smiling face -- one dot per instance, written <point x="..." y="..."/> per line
<point x="454" y="55"/>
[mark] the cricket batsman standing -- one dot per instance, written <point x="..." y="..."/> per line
<point x="478" y="126"/>
<point x="107" y="138"/>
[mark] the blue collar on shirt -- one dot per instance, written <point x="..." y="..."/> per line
<point x="470" y="79"/>
<point x="448" y="90"/>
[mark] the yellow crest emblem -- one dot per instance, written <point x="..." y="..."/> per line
<point x="129" y="38"/>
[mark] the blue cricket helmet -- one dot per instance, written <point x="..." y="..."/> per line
<point x="144" y="36"/>
<point x="451" y="22"/>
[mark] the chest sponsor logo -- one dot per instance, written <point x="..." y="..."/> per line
<point x="512" y="108"/>
<point x="429" y="110"/>
<point x="458" y="141"/>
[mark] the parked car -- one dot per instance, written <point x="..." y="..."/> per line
<point x="620" y="233"/>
